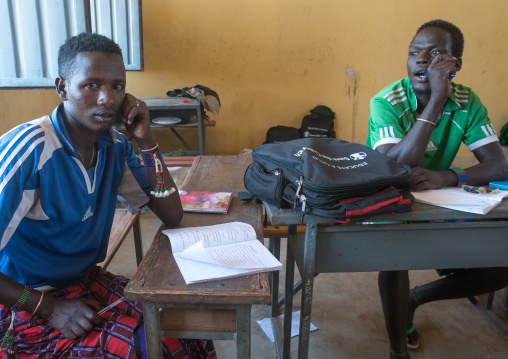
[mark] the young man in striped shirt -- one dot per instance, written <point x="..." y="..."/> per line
<point x="421" y="121"/>
<point x="60" y="177"/>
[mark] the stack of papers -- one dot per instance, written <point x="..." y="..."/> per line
<point x="458" y="199"/>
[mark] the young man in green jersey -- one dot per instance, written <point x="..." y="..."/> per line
<point x="421" y="121"/>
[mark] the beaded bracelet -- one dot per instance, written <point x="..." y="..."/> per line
<point x="480" y="189"/>
<point x="148" y="157"/>
<point x="7" y="342"/>
<point x="22" y="299"/>
<point x="461" y="175"/>
<point x="153" y="159"/>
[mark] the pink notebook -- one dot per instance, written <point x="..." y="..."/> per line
<point x="205" y="202"/>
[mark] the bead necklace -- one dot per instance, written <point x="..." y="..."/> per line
<point x="91" y="161"/>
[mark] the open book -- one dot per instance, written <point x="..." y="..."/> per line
<point x="458" y="199"/>
<point x="205" y="202"/>
<point x="219" y="251"/>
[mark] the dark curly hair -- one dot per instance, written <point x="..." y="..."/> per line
<point x="457" y="37"/>
<point x="86" y="41"/>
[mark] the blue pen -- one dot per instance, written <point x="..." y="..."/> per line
<point x="451" y="75"/>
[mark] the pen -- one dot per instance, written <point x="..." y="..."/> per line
<point x="426" y="74"/>
<point x="110" y="306"/>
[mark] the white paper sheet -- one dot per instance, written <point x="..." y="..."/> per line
<point x="458" y="199"/>
<point x="266" y="325"/>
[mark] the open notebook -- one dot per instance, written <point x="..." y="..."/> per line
<point x="219" y="251"/>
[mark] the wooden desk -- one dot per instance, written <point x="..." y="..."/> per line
<point x="158" y="282"/>
<point x="384" y="247"/>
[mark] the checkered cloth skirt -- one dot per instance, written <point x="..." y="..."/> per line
<point x="114" y="338"/>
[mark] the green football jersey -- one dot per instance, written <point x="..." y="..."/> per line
<point x="462" y="119"/>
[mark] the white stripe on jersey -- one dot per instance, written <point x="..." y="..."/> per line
<point x="386" y="141"/>
<point x="488" y="130"/>
<point x="386" y="132"/>
<point x="19" y="162"/>
<point x="483" y="142"/>
<point x="456" y="124"/>
<point x="19" y="147"/>
<point x="16" y="138"/>
<point x="396" y="95"/>
<point x="406" y="110"/>
<point x="26" y="203"/>
<point x="394" y="102"/>
<point x="399" y="90"/>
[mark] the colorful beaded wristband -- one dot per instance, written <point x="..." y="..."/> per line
<point x="461" y="175"/>
<point x="7" y="342"/>
<point x="22" y="299"/>
<point x="148" y="157"/>
<point x="480" y="189"/>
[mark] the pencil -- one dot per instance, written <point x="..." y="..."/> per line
<point x="426" y="74"/>
<point x="110" y="306"/>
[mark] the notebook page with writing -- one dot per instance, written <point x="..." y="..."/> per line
<point x="216" y="235"/>
<point x="219" y="251"/>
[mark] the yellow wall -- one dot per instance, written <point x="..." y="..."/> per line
<point x="271" y="61"/>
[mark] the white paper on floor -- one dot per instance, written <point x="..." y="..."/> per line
<point x="266" y="325"/>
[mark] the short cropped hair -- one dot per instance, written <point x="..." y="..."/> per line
<point x="86" y="41"/>
<point x="457" y="37"/>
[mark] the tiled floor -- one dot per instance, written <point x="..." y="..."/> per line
<point x="347" y="312"/>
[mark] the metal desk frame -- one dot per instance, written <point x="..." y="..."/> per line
<point x="382" y="247"/>
<point x="172" y="104"/>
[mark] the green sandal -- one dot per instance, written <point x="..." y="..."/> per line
<point x="409" y="332"/>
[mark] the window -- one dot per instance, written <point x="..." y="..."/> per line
<point x="33" y="30"/>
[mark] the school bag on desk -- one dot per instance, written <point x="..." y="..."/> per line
<point x="329" y="178"/>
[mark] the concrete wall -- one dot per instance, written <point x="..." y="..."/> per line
<point x="271" y="61"/>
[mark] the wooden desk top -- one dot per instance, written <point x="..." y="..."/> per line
<point x="158" y="278"/>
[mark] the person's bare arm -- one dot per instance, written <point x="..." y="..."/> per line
<point x="411" y="149"/>
<point x="71" y="317"/>
<point x="493" y="166"/>
<point x="137" y="122"/>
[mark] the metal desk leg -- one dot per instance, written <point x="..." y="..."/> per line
<point x="288" y="304"/>
<point x="309" y="260"/>
<point x="243" y="331"/>
<point x="153" y="333"/>
<point x="201" y="133"/>
<point x="274" y="246"/>
<point x="180" y="138"/>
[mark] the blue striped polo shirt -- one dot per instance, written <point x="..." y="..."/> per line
<point x="56" y="216"/>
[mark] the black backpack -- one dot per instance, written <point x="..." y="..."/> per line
<point x="279" y="134"/>
<point x="319" y="123"/>
<point x="330" y="178"/>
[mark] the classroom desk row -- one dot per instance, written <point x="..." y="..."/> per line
<point x="160" y="286"/>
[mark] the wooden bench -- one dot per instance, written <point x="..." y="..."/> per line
<point x="122" y="224"/>
<point x="179" y="161"/>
